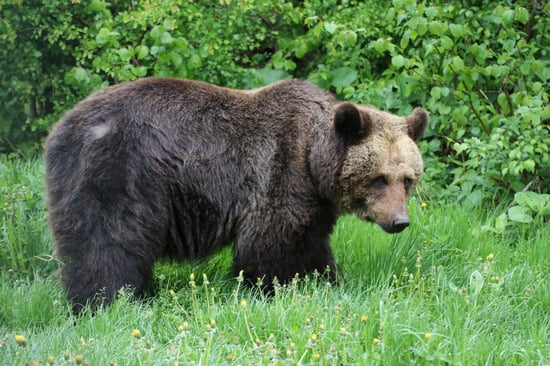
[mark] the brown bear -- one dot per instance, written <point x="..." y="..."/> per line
<point x="164" y="167"/>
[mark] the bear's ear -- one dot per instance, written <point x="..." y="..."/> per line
<point x="417" y="123"/>
<point x="349" y="123"/>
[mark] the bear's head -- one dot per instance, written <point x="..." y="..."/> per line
<point x="382" y="164"/>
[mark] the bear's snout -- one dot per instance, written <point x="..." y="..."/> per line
<point x="396" y="225"/>
<point x="399" y="223"/>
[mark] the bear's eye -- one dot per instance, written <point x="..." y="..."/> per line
<point x="380" y="181"/>
<point x="407" y="182"/>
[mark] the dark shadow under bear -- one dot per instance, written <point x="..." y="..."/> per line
<point x="176" y="168"/>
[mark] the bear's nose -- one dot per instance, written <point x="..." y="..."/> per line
<point x="400" y="223"/>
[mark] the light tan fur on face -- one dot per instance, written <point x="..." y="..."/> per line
<point x="381" y="170"/>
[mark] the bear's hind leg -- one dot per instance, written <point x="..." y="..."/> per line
<point x="95" y="278"/>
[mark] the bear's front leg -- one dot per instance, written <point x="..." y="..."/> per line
<point x="283" y="250"/>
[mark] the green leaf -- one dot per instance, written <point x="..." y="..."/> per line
<point x="458" y="63"/>
<point x="437" y="28"/>
<point x="81" y="75"/>
<point x="140" y="71"/>
<point x="343" y="76"/>
<point x="166" y="38"/>
<point x="431" y="12"/>
<point x="456" y="30"/>
<point x="536" y="87"/>
<point x="142" y="52"/>
<point x="102" y="36"/>
<point x="529" y="165"/>
<point x="534" y="201"/>
<point x="168" y="24"/>
<point x="398" y="61"/>
<point x="301" y="48"/>
<point x="436" y="92"/>
<point x="346" y="38"/>
<point x="176" y="58"/>
<point x="289" y="65"/>
<point x="125" y="54"/>
<point x="405" y="39"/>
<point x="95" y="6"/>
<point x="331" y="27"/>
<point x="195" y="61"/>
<point x="520" y="214"/>
<point x="446" y="43"/>
<point x="522" y="15"/>
<point x="501" y="222"/>
<point x="444" y="109"/>
<point x="380" y="45"/>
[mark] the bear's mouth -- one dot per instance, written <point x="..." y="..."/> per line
<point x="397" y="224"/>
<point x="391" y="227"/>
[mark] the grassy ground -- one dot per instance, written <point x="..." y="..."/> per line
<point x="446" y="291"/>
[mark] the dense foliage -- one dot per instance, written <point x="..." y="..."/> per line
<point x="481" y="68"/>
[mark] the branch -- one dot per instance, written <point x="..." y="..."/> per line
<point x="483" y="126"/>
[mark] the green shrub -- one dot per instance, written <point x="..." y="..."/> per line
<point x="479" y="68"/>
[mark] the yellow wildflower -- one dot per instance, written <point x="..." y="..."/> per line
<point x="20" y="340"/>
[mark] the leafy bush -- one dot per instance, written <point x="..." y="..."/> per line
<point x="38" y="39"/>
<point x="529" y="208"/>
<point x="479" y="68"/>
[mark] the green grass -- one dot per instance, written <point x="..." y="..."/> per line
<point x="446" y="291"/>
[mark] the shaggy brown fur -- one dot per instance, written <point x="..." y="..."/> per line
<point x="176" y="168"/>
